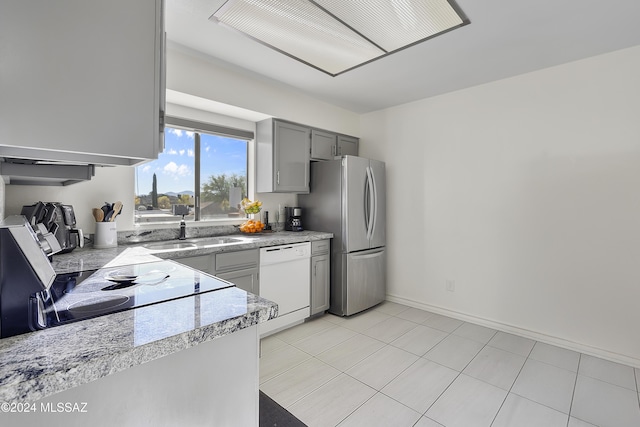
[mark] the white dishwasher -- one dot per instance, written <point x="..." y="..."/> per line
<point x="286" y="280"/>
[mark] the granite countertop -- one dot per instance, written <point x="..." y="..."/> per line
<point x="89" y="258"/>
<point x="41" y="363"/>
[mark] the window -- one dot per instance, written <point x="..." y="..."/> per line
<point x="202" y="174"/>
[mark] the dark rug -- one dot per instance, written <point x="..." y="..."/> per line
<point x="274" y="415"/>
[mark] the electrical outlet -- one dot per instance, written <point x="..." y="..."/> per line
<point x="451" y="285"/>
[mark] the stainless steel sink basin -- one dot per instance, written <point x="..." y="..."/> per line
<point x="170" y="246"/>
<point x="204" y="242"/>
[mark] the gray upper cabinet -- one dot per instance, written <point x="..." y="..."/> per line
<point x="82" y="81"/>
<point x="323" y="145"/>
<point x="283" y="155"/>
<point x="347" y="145"/>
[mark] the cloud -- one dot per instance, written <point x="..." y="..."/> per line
<point x="207" y="148"/>
<point x="190" y="153"/>
<point x="171" y="151"/>
<point x="172" y="168"/>
<point x="182" y="152"/>
<point x="180" y="132"/>
<point x="146" y="168"/>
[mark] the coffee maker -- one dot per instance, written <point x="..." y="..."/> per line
<point x="293" y="219"/>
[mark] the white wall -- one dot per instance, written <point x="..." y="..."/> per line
<point x="526" y="193"/>
<point x="195" y="75"/>
<point x="108" y="185"/>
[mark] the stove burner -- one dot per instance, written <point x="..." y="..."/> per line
<point x="95" y="305"/>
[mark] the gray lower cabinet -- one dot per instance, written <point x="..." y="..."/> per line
<point x="239" y="267"/>
<point x="320" y="276"/>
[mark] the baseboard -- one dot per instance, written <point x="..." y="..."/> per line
<point x="538" y="336"/>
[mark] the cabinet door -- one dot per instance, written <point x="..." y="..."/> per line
<point x="247" y="280"/>
<point x="291" y="157"/>
<point x="323" y="145"/>
<point x="319" y="284"/>
<point x="347" y="145"/>
<point x="203" y="263"/>
<point x="82" y="80"/>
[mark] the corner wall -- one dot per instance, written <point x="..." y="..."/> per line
<point x="526" y="194"/>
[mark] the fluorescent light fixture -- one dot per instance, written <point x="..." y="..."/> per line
<point x="335" y="36"/>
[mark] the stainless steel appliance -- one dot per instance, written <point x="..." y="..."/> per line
<point x="293" y="219"/>
<point x="33" y="297"/>
<point x="347" y="198"/>
<point x="59" y="219"/>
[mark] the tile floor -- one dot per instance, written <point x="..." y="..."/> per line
<point x="399" y="366"/>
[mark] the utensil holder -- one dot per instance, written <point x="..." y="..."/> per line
<point x="106" y="235"/>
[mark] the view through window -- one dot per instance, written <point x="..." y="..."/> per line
<point x="200" y="175"/>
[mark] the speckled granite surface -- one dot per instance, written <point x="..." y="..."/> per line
<point x="89" y="258"/>
<point x="42" y="363"/>
<point x="38" y="364"/>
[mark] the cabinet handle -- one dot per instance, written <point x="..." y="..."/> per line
<point x="333" y="150"/>
<point x="315" y="270"/>
<point x="278" y="177"/>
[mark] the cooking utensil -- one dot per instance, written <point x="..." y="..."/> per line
<point x="98" y="214"/>
<point x="106" y="208"/>
<point x="117" y="207"/>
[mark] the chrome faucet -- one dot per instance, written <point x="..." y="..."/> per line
<point x="183" y="229"/>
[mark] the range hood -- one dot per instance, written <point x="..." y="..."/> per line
<point x="44" y="172"/>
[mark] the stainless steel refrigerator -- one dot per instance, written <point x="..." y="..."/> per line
<point x="347" y="198"/>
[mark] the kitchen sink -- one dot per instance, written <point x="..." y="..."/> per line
<point x="170" y="246"/>
<point x="204" y="242"/>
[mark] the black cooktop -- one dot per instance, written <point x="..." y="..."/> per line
<point x="93" y="293"/>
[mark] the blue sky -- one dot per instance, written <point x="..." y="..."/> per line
<point x="174" y="168"/>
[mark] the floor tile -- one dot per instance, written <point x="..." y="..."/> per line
<point x="454" y="352"/>
<point x="382" y="366"/>
<point x="475" y="332"/>
<point x="521" y="412"/>
<point x="350" y="352"/>
<point x="304" y="330"/>
<point x="604" y="404"/>
<point x="335" y="319"/>
<point x="512" y="343"/>
<point x="381" y="411"/>
<point x="442" y="323"/>
<point x="390" y="329"/>
<point x="574" y="422"/>
<point x="427" y="422"/>
<point x="280" y="360"/>
<point x="391" y="308"/>
<point x="299" y="381"/>
<point x="419" y="340"/>
<point x="610" y="372"/>
<point x="414" y="315"/>
<point x="420" y="385"/>
<point x="324" y="340"/>
<point x="363" y="321"/>
<point x="331" y="403"/>
<point x="556" y="356"/>
<point x="496" y="367"/>
<point x="545" y="384"/>
<point x="270" y="343"/>
<point x="468" y="402"/>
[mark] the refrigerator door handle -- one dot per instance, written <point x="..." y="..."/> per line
<point x="370" y="203"/>
<point x="374" y="193"/>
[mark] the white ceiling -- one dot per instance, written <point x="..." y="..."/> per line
<point x="505" y="38"/>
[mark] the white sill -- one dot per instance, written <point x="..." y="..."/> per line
<point x="190" y="224"/>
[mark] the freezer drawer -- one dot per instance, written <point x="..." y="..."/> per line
<point x="363" y="283"/>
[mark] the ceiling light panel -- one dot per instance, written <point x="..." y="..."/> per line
<point x="394" y="24"/>
<point x="300" y="29"/>
<point x="337" y="35"/>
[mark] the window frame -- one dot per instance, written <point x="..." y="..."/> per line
<point x="213" y="129"/>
